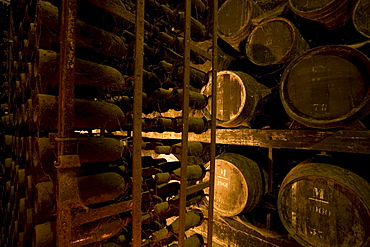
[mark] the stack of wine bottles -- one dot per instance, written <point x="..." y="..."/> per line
<point x="103" y="106"/>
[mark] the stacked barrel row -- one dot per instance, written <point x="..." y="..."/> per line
<point x="297" y="64"/>
<point x="102" y="124"/>
<point x="320" y="200"/>
<point x="310" y="58"/>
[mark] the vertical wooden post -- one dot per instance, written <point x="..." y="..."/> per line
<point x="138" y="88"/>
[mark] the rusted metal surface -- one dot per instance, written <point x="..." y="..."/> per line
<point x="338" y="141"/>
<point x="66" y="72"/>
<point x="66" y="176"/>
<point x="185" y="127"/>
<point x="100" y="213"/>
<point x="137" y="123"/>
<point x="213" y="122"/>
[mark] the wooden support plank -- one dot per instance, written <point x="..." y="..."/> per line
<point x="337" y="141"/>
<point x="235" y="232"/>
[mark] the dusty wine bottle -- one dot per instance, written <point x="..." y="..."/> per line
<point x="198" y="78"/>
<point x="92" y="189"/>
<point x="195" y="240"/>
<point x="86" y="35"/>
<point x="196" y="125"/>
<point x="194" y="148"/>
<point x="175" y="202"/>
<point x="193" y="218"/>
<point x="87" y="73"/>
<point x="44" y="234"/>
<point x="194" y="172"/>
<point x="87" y="114"/>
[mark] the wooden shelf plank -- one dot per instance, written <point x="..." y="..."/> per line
<point x="338" y="141"/>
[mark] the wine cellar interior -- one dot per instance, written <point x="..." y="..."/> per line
<point x="185" y="123"/>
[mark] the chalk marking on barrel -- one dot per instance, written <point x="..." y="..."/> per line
<point x="294" y="204"/>
<point x="223" y="184"/>
<point x="318" y="200"/>
<point x="294" y="219"/>
<point x="222" y="177"/>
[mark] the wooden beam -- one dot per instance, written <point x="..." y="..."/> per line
<point x="337" y="141"/>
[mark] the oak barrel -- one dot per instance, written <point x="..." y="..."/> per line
<point x="325" y="205"/>
<point x="361" y="17"/>
<point x="271" y="5"/>
<point x="235" y="20"/>
<point x="239" y="184"/>
<point x="275" y="41"/>
<point x="237" y="96"/>
<point x="327" y="87"/>
<point x="332" y="13"/>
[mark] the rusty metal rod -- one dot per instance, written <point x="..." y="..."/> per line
<point x="213" y="122"/>
<point x="67" y="37"/>
<point x="185" y="119"/>
<point x="137" y="122"/>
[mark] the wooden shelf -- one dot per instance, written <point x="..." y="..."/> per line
<point x="338" y="141"/>
<point x="234" y="231"/>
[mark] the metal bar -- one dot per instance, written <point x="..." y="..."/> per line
<point x="197" y="187"/>
<point x="213" y="121"/>
<point x="137" y="139"/>
<point x="185" y="126"/>
<point x="66" y="72"/>
<point x="100" y="213"/>
<point x="65" y="117"/>
<point x="200" y="51"/>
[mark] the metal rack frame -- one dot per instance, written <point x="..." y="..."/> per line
<point x="67" y="195"/>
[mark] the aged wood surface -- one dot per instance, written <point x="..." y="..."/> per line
<point x="325" y="205"/>
<point x="327" y="87"/>
<point x="275" y="41"/>
<point x="238" y="184"/>
<point x="237" y="97"/>
<point x="235" y="232"/>
<point x="339" y="141"/>
<point x="361" y="17"/>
